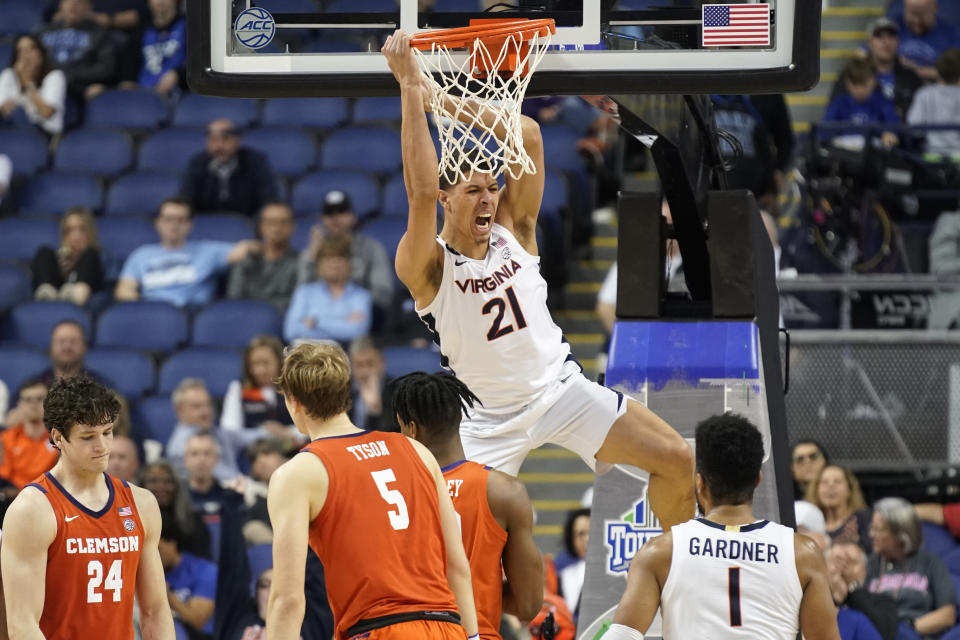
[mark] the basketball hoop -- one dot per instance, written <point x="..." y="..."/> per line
<point x="477" y="102"/>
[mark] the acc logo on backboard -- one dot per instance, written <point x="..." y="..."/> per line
<point x="624" y="537"/>
<point x="255" y="27"/>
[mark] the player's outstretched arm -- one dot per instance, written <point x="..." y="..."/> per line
<point x="28" y="531"/>
<point x="288" y="501"/>
<point x="156" y="621"/>
<point x="520" y="200"/>
<point x="458" y="567"/>
<point x="418" y="260"/>
<point x="818" y="616"/>
<point x="522" y="562"/>
<point x="641" y="598"/>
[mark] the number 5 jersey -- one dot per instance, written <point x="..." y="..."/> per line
<point x="92" y="564"/>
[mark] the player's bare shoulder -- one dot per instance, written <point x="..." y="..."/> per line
<point x="809" y="558"/>
<point x="419" y="266"/>
<point x="655" y="555"/>
<point x="32" y="516"/>
<point x="507" y="496"/>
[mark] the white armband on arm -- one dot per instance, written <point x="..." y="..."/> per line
<point x="622" y="632"/>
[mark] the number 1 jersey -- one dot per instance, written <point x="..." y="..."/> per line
<point x="491" y="322"/>
<point x="378" y="533"/>
<point x="91" y="565"/>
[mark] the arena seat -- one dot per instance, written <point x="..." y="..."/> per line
<point x="26" y="148"/>
<point x="195" y="110"/>
<point x="130" y="109"/>
<point x="387" y="231"/>
<point x="222" y="227"/>
<point x="369" y="110"/>
<point x="55" y="192"/>
<point x="20" y="17"/>
<point x="291" y="151"/>
<point x="556" y="192"/>
<point x="21" y="237"/>
<point x="15" y="285"/>
<point x="128" y="371"/>
<point x="233" y="323"/>
<point x="19" y="364"/>
<point x="403" y="360"/>
<point x="141" y="192"/>
<point x="362" y="187"/>
<point x="120" y="236"/>
<point x="151" y="326"/>
<point x="170" y="149"/>
<point x="560" y="146"/>
<point x="102" y="152"/>
<point x="30" y="323"/>
<point x="154" y="418"/>
<point x="937" y="540"/>
<point x="374" y="149"/>
<point x="260" y="557"/>
<point x="317" y="113"/>
<point x="216" y="367"/>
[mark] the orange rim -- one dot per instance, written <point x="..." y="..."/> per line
<point x="492" y="31"/>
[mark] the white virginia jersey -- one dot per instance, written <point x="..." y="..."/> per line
<point x="731" y="582"/>
<point x="491" y="321"/>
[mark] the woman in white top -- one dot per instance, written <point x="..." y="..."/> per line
<point x="30" y="84"/>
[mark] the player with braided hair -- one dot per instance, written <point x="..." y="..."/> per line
<point x="496" y="519"/>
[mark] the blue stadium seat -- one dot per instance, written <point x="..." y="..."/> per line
<point x="141" y="192"/>
<point x="27" y="149"/>
<point x="55" y="192"/>
<point x="301" y="234"/>
<point x="154" y="418"/>
<point x="318" y="113"/>
<point x="170" y="149"/>
<point x="233" y="323"/>
<point x="120" y="236"/>
<point x="128" y="371"/>
<point x="131" y="109"/>
<point x="195" y="110"/>
<point x="21" y="237"/>
<point x="217" y="367"/>
<point x="103" y="152"/>
<point x="362" y="188"/>
<point x="560" y="147"/>
<point x="260" y="558"/>
<point x="6" y="51"/>
<point x="19" y="364"/>
<point x="30" y="323"/>
<point x="151" y="326"/>
<point x="387" y="231"/>
<point x="403" y="360"/>
<point x="395" y="197"/>
<point x="369" y="110"/>
<point x="291" y="151"/>
<point x="20" y="17"/>
<point x="367" y="148"/>
<point x="223" y="227"/>
<point x="937" y="540"/>
<point x="15" y="285"/>
<point x="556" y="192"/>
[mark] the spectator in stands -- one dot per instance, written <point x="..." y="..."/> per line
<point x="81" y="47"/>
<point x="897" y="81"/>
<point x="210" y="499"/>
<point x="124" y="21"/>
<point x="191" y="584"/>
<point x="917" y="580"/>
<point x="124" y="459"/>
<point x="68" y="350"/>
<point x="773" y="110"/>
<point x="369" y="266"/>
<point x="861" y="614"/>
<point x="30" y="84"/>
<point x="807" y="459"/>
<point x="924" y="36"/>
<point x="945" y="261"/>
<point x="862" y="104"/>
<point x="194" y="409"/>
<point x="73" y="271"/>
<point x="228" y="176"/>
<point x="571" y="563"/>
<point x="160" y="479"/>
<point x="270" y="276"/>
<point x="255" y="622"/>
<point x="164" y="49"/>
<point x="332" y="308"/>
<point x="754" y="169"/>
<point x="836" y="491"/>
<point x="265" y="457"/>
<point x="176" y="270"/>
<point x="27" y="450"/>
<point x="254" y="401"/>
<point x="810" y="522"/>
<point x="940" y="104"/>
<point x="372" y="396"/>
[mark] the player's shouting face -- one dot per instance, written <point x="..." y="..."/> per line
<point x="470" y="205"/>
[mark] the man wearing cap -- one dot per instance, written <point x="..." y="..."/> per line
<point x="369" y="266"/>
<point x="924" y="36"/>
<point x="897" y="81"/>
<point x="228" y="177"/>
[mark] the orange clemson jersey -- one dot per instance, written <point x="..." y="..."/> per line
<point x="378" y="533"/>
<point x="91" y="564"/>
<point x="483" y="540"/>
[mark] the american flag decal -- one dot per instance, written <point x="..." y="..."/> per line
<point x="736" y="25"/>
<point x="499" y="242"/>
<point x="124" y="511"/>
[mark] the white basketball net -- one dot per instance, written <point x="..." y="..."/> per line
<point x="470" y="108"/>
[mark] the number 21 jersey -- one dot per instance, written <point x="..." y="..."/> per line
<point x="91" y="564"/>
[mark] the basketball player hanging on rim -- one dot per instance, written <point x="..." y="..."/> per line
<point x="478" y="287"/>
<point x="728" y="575"/>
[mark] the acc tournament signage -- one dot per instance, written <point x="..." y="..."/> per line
<point x="626" y="535"/>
